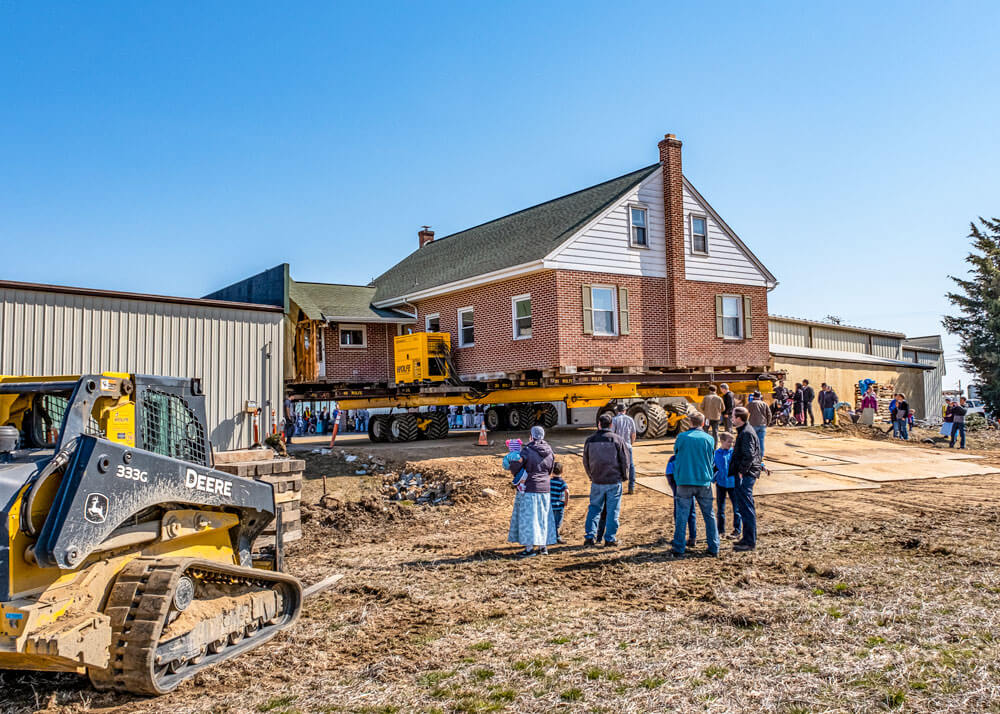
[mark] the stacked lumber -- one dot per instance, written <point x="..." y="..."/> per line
<point x="884" y="392"/>
<point x="285" y="477"/>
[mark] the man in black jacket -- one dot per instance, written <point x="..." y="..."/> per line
<point x="745" y="467"/>
<point x="727" y="407"/>
<point x="808" y="395"/>
<point x="606" y="461"/>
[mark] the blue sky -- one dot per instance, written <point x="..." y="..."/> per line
<point x="177" y="147"/>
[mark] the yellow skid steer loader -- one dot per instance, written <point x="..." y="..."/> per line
<point x="123" y="554"/>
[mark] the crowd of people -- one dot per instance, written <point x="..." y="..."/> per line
<point x="305" y="421"/>
<point x="703" y="457"/>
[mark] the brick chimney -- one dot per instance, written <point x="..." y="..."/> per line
<point x="426" y="235"/>
<point x="673" y="210"/>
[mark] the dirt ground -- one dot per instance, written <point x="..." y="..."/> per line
<point x="855" y="601"/>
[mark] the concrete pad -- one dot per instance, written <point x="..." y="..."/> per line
<point x="801" y="481"/>
<point x="906" y="470"/>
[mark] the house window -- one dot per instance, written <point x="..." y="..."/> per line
<point x="521" y="316"/>
<point x="732" y="317"/>
<point x="699" y="234"/>
<point x="432" y="323"/>
<point x="466" y="333"/>
<point x="637" y="223"/>
<point x="353" y="336"/>
<point x="604" y="310"/>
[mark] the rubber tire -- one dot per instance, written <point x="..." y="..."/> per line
<point x="609" y="409"/>
<point x="495" y="418"/>
<point x="403" y="427"/>
<point x="638" y="414"/>
<point x="656" y="416"/>
<point x="378" y="429"/>
<point x="683" y="425"/>
<point x="520" y="417"/>
<point x="438" y="428"/>
<point x="549" y="414"/>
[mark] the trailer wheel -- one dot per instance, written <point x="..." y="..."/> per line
<point x="438" y="428"/>
<point x="549" y="415"/>
<point x="656" y="420"/>
<point x="520" y="417"/>
<point x="683" y="424"/>
<point x="494" y="418"/>
<point x="403" y="427"/>
<point x="378" y="428"/>
<point x="608" y="409"/>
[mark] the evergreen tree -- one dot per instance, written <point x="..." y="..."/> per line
<point x="978" y="301"/>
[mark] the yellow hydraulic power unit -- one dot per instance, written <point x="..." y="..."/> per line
<point x="123" y="553"/>
<point x="422" y="357"/>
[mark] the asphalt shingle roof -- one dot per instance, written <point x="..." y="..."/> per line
<point x="327" y="300"/>
<point x="521" y="237"/>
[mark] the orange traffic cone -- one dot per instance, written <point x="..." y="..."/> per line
<point x="482" y="436"/>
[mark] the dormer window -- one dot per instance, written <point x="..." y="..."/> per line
<point x="638" y="228"/>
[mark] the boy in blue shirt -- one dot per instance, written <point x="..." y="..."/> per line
<point x="725" y="485"/>
<point x="558" y="498"/>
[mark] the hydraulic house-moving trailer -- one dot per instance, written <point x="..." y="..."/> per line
<point x="426" y="377"/>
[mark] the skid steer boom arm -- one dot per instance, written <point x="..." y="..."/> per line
<point x="106" y="484"/>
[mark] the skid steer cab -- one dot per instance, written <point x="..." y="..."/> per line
<point x="123" y="554"/>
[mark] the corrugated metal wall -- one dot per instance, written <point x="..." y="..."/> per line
<point x="237" y="353"/>
<point x="794" y="334"/>
<point x="788" y="333"/>
<point x="825" y="338"/>
<point x="888" y="347"/>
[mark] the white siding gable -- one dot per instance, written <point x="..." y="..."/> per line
<point x="726" y="261"/>
<point x="603" y="246"/>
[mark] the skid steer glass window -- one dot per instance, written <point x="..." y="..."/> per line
<point x="170" y="428"/>
<point x="47" y="417"/>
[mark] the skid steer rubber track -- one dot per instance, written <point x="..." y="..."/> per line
<point x="154" y="600"/>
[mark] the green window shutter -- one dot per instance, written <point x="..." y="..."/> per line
<point x="747" y="318"/>
<point x="588" y="311"/>
<point x="622" y="310"/>
<point x="719" y="328"/>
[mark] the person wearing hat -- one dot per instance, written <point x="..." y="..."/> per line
<point x="531" y="523"/>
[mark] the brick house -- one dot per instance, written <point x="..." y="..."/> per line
<point x="638" y="274"/>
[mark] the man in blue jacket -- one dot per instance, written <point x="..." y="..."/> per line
<point x="694" y="452"/>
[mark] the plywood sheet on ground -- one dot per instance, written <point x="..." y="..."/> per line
<point x="800" y="458"/>
<point x="908" y="469"/>
<point x="801" y="481"/>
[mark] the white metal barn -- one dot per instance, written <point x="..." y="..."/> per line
<point x="234" y="348"/>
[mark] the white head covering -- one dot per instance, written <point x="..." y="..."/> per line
<point x="537" y="433"/>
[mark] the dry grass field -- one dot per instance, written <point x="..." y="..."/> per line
<point x="855" y="601"/>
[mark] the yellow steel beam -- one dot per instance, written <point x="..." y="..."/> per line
<point x="574" y="396"/>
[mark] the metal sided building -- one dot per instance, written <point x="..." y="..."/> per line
<point x="234" y="348"/>
<point x="841" y="355"/>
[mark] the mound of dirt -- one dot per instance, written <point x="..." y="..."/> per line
<point x="370" y="512"/>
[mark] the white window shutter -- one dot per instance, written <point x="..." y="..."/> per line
<point x="588" y="311"/>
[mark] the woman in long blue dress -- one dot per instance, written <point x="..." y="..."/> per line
<point x="531" y="523"/>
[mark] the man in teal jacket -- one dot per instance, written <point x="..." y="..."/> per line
<point x="694" y="451"/>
